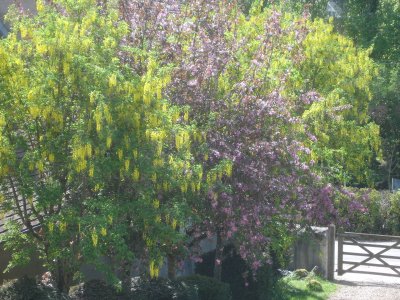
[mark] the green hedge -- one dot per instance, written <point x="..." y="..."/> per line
<point x="208" y="288"/>
<point x="26" y="288"/>
<point x="93" y="290"/>
<point x="162" y="289"/>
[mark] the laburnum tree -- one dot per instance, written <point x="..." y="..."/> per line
<point x="347" y="140"/>
<point x="89" y="147"/>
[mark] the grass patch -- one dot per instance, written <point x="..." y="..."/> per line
<point x="296" y="289"/>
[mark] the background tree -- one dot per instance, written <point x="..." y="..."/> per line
<point x="347" y="141"/>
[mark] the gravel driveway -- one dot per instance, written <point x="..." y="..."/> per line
<point x="366" y="291"/>
<point x="353" y="286"/>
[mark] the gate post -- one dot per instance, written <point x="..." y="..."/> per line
<point x="340" y="255"/>
<point x="330" y="270"/>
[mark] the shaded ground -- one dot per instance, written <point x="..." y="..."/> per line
<point x="353" y="286"/>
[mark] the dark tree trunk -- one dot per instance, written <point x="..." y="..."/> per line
<point x="218" y="257"/>
<point x="64" y="276"/>
<point x="126" y="276"/>
<point x="171" y="266"/>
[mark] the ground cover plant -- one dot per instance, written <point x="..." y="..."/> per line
<point x="300" y="289"/>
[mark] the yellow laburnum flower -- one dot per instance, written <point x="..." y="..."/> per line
<point x="88" y="150"/>
<point x="229" y="170"/>
<point x="41" y="49"/>
<point x="95" y="238"/>
<point x="151" y="267"/>
<point x="159" y="149"/>
<point x="108" y="142"/>
<point x="135" y="153"/>
<point x="120" y="153"/>
<point x="159" y="93"/>
<point x="40" y="166"/>
<point x="156" y="272"/>
<point x="112" y="81"/>
<point x="63" y="226"/>
<point x="91" y="171"/>
<point x="103" y="231"/>
<point x="136" y="120"/>
<point x="154" y="177"/>
<point x="39" y="5"/>
<point x="24" y="31"/>
<point x="92" y="97"/>
<point x="174" y="223"/>
<point x="184" y="187"/>
<point x="165" y="186"/>
<point x="66" y="67"/>
<point x="34" y="111"/>
<point x="136" y="175"/>
<point x="178" y="141"/>
<point x="156" y="203"/>
<point x="127" y="162"/>
<point x="214" y="177"/>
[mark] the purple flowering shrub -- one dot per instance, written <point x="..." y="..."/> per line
<point x="236" y="74"/>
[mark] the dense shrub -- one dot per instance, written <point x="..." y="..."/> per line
<point x="26" y="288"/>
<point x="235" y="272"/>
<point x="93" y="290"/>
<point x="163" y="289"/>
<point x="208" y="288"/>
<point x="269" y="285"/>
<point x="369" y="211"/>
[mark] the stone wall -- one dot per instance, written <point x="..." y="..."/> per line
<point x="32" y="269"/>
<point x="315" y="248"/>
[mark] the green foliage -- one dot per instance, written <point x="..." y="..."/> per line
<point x="316" y="8"/>
<point x="164" y="289"/>
<point x="208" y="288"/>
<point x="93" y="290"/>
<point x="26" y="288"/>
<point x="292" y="289"/>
